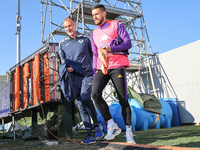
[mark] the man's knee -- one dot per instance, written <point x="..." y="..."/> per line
<point x="85" y="97"/>
<point x="96" y="96"/>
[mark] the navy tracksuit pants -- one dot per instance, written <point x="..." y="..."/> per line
<point x="86" y="105"/>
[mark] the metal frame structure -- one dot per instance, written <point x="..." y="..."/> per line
<point x="18" y="18"/>
<point x="128" y="11"/>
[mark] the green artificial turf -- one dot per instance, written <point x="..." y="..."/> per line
<point x="184" y="136"/>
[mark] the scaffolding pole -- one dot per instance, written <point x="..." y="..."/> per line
<point x="18" y="18"/>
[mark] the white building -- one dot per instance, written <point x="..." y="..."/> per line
<point x="176" y="74"/>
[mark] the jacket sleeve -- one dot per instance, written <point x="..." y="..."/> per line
<point x="90" y="49"/>
<point x="62" y="53"/>
<point x="95" y="53"/>
<point x="123" y="35"/>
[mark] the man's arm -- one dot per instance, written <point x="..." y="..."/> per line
<point x="90" y="49"/>
<point x="95" y="53"/>
<point x="62" y="54"/>
<point x="123" y="34"/>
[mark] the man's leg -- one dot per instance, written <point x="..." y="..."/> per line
<point x="89" y="105"/>
<point x="118" y="78"/>
<point x="99" y="82"/>
<point x="84" y="116"/>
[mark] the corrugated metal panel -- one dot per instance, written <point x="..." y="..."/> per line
<point x="5" y="101"/>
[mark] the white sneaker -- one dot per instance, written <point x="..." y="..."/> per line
<point x="112" y="131"/>
<point x="129" y="138"/>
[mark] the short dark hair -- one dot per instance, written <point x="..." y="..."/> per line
<point x="100" y="6"/>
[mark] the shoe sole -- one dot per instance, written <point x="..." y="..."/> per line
<point x="116" y="133"/>
<point x="88" y="143"/>
<point x="100" y="137"/>
<point x="131" y="142"/>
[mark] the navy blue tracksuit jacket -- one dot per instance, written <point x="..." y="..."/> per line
<point x="78" y="49"/>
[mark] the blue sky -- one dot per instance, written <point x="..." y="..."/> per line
<point x="170" y="24"/>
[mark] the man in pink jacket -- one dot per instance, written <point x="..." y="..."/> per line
<point x="113" y="37"/>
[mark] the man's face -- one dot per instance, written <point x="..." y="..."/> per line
<point x="70" y="27"/>
<point x="99" y="16"/>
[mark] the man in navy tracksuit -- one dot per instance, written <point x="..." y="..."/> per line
<point x="77" y="47"/>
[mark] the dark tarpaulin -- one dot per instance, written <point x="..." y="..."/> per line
<point x="147" y="101"/>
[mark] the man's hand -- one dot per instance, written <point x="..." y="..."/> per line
<point x="107" y="48"/>
<point x="103" y="56"/>
<point x="69" y="69"/>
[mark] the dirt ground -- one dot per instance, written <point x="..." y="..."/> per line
<point x="10" y="144"/>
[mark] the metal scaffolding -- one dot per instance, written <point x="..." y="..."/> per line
<point x="128" y="11"/>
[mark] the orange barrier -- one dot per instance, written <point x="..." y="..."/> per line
<point x="36" y="81"/>
<point x="46" y="77"/>
<point x="16" y="90"/>
<point x="25" y="84"/>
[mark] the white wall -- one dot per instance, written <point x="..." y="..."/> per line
<point x="176" y="74"/>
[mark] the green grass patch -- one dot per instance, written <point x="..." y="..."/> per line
<point x="184" y="136"/>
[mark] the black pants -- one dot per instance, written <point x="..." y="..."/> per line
<point x="118" y="77"/>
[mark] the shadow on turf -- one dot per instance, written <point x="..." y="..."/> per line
<point x="190" y="144"/>
<point x="125" y="147"/>
<point x="171" y="135"/>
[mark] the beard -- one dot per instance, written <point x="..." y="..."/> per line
<point x="71" y="32"/>
<point x="99" y="22"/>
